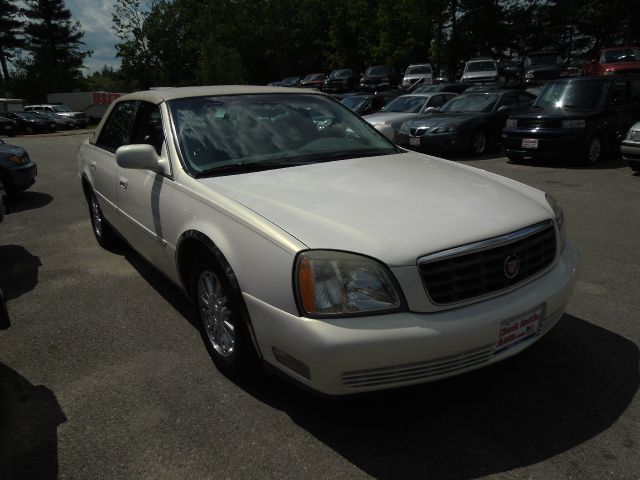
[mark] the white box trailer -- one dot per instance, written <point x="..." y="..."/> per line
<point x="11" y="105"/>
<point x="93" y="104"/>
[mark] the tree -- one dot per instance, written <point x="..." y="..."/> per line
<point x="10" y="41"/>
<point x="53" y="42"/>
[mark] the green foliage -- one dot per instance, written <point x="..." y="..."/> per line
<point x="10" y="41"/>
<point x="52" y="41"/>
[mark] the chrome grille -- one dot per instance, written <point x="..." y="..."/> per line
<point x="539" y="123"/>
<point x="479" y="269"/>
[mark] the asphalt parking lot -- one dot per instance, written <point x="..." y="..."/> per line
<point x="104" y="375"/>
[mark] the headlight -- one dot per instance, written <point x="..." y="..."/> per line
<point x="331" y="283"/>
<point x="559" y="213"/>
<point x="19" y="159"/>
<point x="444" y="129"/>
<point x="574" y="124"/>
<point x="404" y="128"/>
<point x="633" y="135"/>
<point x="379" y="122"/>
<point x="528" y="75"/>
<point x="512" y="123"/>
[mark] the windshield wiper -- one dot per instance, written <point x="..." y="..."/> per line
<point x="330" y="157"/>
<point x="243" y="168"/>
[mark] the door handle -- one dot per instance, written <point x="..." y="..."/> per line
<point x="93" y="166"/>
<point x="123" y="183"/>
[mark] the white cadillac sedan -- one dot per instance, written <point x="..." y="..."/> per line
<point x="310" y="242"/>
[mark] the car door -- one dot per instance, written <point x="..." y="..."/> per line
<point x="144" y="196"/>
<point x="102" y="158"/>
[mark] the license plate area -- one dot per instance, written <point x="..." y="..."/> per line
<point x="518" y="329"/>
<point x="530" y="143"/>
<point x="415" y="141"/>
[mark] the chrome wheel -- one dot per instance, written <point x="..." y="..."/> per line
<point x="593" y="154"/>
<point x="96" y="217"/>
<point x="479" y="143"/>
<point x="216" y="316"/>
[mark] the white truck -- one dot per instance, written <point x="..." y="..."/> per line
<point x="92" y="104"/>
<point x="11" y="105"/>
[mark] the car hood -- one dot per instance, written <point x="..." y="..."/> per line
<point x="395" y="118"/>
<point x="622" y="66"/>
<point x="556" y="114"/>
<point x="481" y="74"/>
<point x="395" y="207"/>
<point x="8" y="149"/>
<point x="547" y="67"/>
<point x="438" y="119"/>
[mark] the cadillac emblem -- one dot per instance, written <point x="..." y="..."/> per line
<point x="511" y="266"/>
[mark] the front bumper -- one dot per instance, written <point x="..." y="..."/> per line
<point x="631" y="153"/>
<point x="435" y="141"/>
<point x="23" y="176"/>
<point x="566" y="144"/>
<point x="352" y="355"/>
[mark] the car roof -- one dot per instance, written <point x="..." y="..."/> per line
<point x="167" y="93"/>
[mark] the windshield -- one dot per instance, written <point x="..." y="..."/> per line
<point x="474" y="102"/>
<point x="340" y="74"/>
<point x="377" y="71"/>
<point x="621" y="55"/>
<point x="406" y="104"/>
<point x="584" y="94"/>
<point x="479" y="66"/>
<point x="232" y="133"/>
<point x="61" y="108"/>
<point x="354" y="102"/>
<point x="417" y="69"/>
<point x="428" y="89"/>
<point x="534" y="60"/>
<point x="314" y="76"/>
<point x="28" y="115"/>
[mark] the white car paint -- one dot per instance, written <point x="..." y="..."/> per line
<point x="394" y="208"/>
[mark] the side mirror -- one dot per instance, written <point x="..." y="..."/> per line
<point x="141" y="157"/>
<point x="432" y="110"/>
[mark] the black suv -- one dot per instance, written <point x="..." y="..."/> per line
<point x="341" y="80"/>
<point x="380" y="77"/>
<point x="577" y="118"/>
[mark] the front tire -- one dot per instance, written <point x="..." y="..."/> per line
<point x="478" y="143"/>
<point x="594" y="151"/>
<point x="104" y="233"/>
<point x="222" y="319"/>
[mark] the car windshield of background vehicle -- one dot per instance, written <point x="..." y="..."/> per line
<point x="28" y="115"/>
<point x="61" y="108"/>
<point x="377" y="71"/>
<point x="340" y="73"/>
<point x="475" y="102"/>
<point x="584" y="94"/>
<point x="429" y="89"/>
<point x="224" y="135"/>
<point x="480" y="66"/>
<point x="313" y="77"/>
<point x="541" y="60"/>
<point x="419" y="69"/>
<point x="354" y="102"/>
<point x="406" y="104"/>
<point x="623" y="55"/>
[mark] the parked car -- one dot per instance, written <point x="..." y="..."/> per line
<point x="443" y="87"/>
<point x="8" y="127"/>
<point x="544" y="66"/>
<point x="62" y="123"/>
<point x="419" y="72"/>
<point x="575" y="119"/>
<point x="290" y="82"/>
<point x="341" y="80"/>
<point x="631" y="147"/>
<point x="368" y="103"/>
<point x="405" y="108"/>
<point x="81" y="118"/>
<point x="295" y="230"/>
<point x="380" y="77"/>
<point x="31" y="122"/>
<point x="17" y="171"/>
<point x="470" y="122"/>
<point x="273" y="84"/>
<point x="480" y="70"/>
<point x="616" y="60"/>
<point x="313" y="80"/>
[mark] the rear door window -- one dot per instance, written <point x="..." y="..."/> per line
<point x="117" y="128"/>
<point x="148" y="127"/>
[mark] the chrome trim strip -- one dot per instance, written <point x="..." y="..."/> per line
<point x="486" y="244"/>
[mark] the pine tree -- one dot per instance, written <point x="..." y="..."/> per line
<point x="10" y="40"/>
<point x="53" y="41"/>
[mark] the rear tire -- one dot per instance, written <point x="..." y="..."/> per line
<point x="594" y="150"/>
<point x="104" y="233"/>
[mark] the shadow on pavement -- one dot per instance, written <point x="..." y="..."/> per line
<point x="18" y="274"/>
<point x="29" y="419"/>
<point x="571" y="386"/>
<point x="614" y="161"/>
<point x="27" y="201"/>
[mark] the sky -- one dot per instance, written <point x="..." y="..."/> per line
<point x="95" y="21"/>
